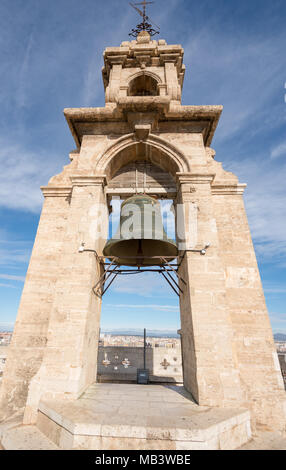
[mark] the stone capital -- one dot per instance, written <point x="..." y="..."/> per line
<point x="99" y="180"/>
<point x="194" y="178"/>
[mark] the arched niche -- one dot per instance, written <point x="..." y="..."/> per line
<point x="153" y="150"/>
<point x="143" y="85"/>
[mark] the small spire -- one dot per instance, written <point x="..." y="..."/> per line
<point x="145" y="25"/>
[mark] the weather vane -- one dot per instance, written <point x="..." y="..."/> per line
<point x="145" y="25"/>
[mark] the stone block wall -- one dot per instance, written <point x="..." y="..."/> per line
<point x="121" y="363"/>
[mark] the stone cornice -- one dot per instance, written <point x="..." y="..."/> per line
<point x="56" y="191"/>
<point x="88" y="180"/>
<point x="222" y="189"/>
<point x="211" y="114"/>
<point x="144" y="103"/>
<point x="167" y="110"/>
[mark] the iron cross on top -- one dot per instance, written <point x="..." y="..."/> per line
<point x="144" y="8"/>
<point x="145" y="25"/>
<point x="144" y="4"/>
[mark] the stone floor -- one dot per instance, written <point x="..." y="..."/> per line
<point x="126" y="416"/>
<point x="123" y="416"/>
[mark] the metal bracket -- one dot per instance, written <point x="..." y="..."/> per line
<point x="168" y="269"/>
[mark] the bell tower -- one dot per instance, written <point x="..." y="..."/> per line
<point x="143" y="67"/>
<point x="229" y="357"/>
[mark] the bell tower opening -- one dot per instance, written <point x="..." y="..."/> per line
<point x="144" y="85"/>
<point x="142" y="299"/>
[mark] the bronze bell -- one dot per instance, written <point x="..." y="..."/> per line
<point x="141" y="235"/>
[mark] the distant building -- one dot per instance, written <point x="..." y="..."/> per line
<point x="3" y="357"/>
<point x="138" y="341"/>
<point x="280" y="346"/>
<point x="5" y="338"/>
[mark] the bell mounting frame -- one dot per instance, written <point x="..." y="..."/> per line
<point x="168" y="270"/>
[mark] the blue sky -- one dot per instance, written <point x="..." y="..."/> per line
<point x="51" y="58"/>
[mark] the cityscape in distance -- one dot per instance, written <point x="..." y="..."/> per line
<point x="152" y="333"/>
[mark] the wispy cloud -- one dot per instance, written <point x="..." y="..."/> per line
<point x="24" y="74"/>
<point x="15" y="254"/>
<point x="279" y="151"/>
<point x="265" y="200"/>
<point x="12" y="277"/>
<point x="247" y="73"/>
<point x="22" y="174"/>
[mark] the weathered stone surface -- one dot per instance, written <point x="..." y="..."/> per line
<point x="26" y="438"/>
<point x="265" y="441"/>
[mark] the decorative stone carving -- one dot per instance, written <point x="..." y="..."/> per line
<point x="142" y="131"/>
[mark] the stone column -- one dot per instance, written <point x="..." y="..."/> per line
<point x="210" y="372"/>
<point x="253" y="343"/>
<point x="70" y="359"/>
<point x="31" y="328"/>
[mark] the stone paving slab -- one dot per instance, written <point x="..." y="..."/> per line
<point x="150" y="413"/>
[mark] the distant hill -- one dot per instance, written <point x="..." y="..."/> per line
<point x="140" y="332"/>
<point x="280" y="337"/>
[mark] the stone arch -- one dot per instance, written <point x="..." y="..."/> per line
<point x="153" y="149"/>
<point x="145" y="72"/>
<point x="143" y="84"/>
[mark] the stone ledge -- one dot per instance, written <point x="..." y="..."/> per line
<point x="222" y="189"/>
<point x="185" y="178"/>
<point x="54" y="191"/>
<point x="88" y="180"/>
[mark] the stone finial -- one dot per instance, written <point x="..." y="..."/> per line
<point x="143" y="37"/>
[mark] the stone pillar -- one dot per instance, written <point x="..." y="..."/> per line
<point x="31" y="328"/>
<point x="112" y="91"/>
<point x="210" y="371"/>
<point x="253" y="342"/>
<point x="173" y="88"/>
<point x="70" y="359"/>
